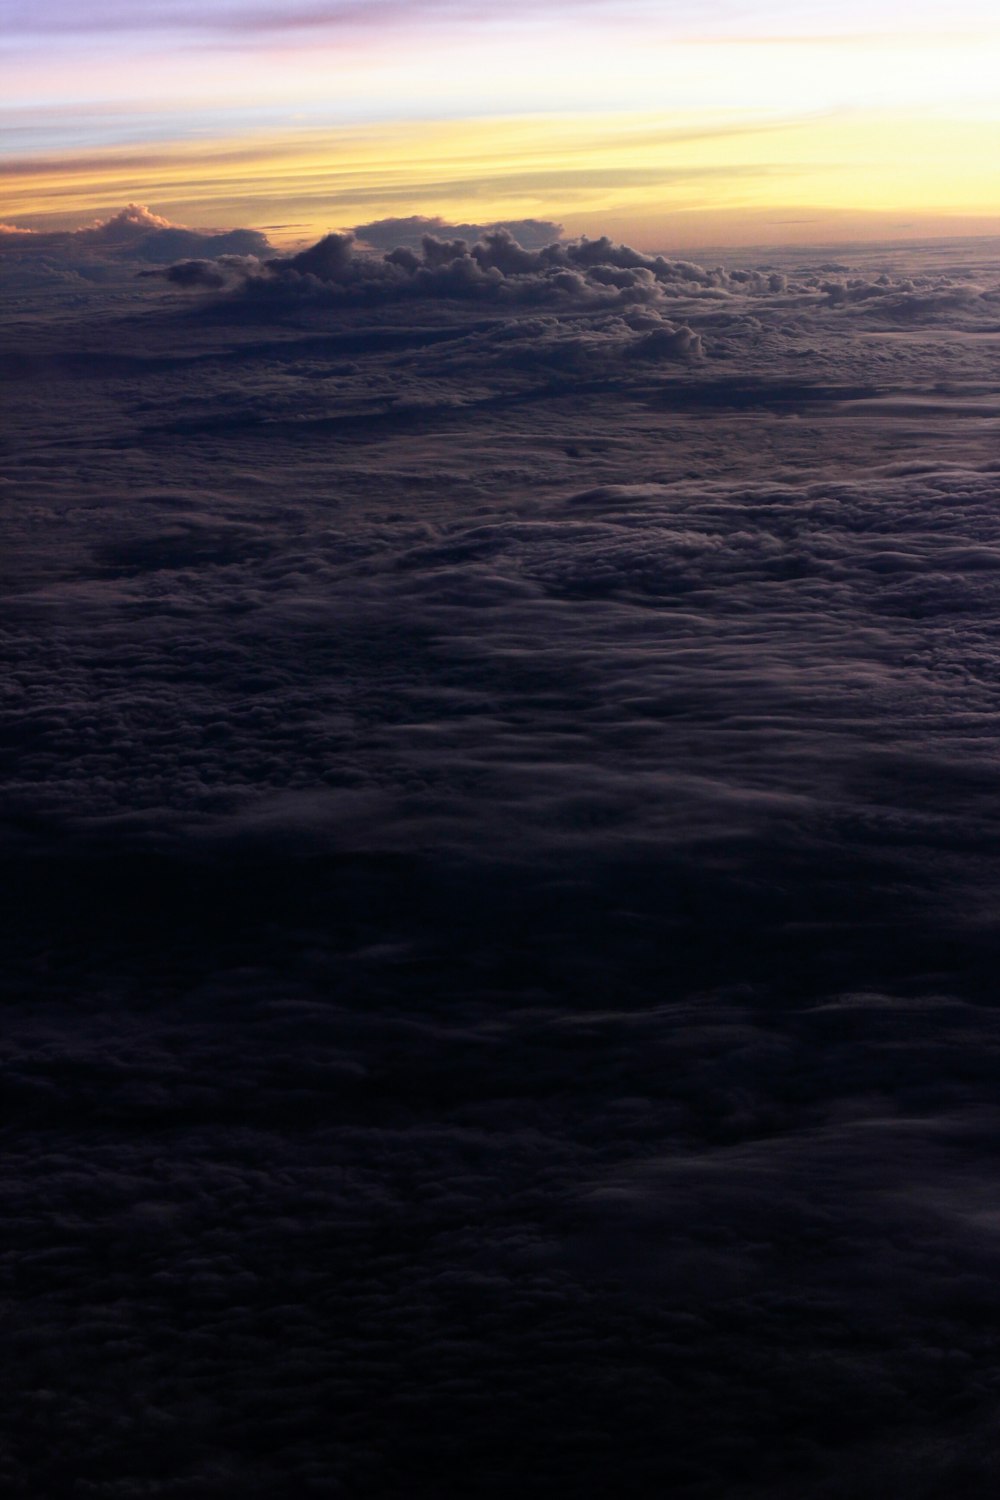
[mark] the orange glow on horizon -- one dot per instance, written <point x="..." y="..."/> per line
<point x="651" y="178"/>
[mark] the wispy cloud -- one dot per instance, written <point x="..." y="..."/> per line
<point x="632" y="171"/>
<point x="775" y="21"/>
<point x="299" y="110"/>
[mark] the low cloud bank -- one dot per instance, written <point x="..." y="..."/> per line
<point x="506" y="266"/>
<point x="136" y="233"/>
<point x="497" y="268"/>
<point x="516" y="264"/>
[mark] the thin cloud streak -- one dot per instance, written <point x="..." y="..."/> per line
<point x="778" y="22"/>
<point x="407" y="57"/>
<point x="648" y="176"/>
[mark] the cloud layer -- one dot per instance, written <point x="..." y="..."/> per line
<point x="500" y="831"/>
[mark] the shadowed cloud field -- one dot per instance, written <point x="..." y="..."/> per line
<point x="500" y="831"/>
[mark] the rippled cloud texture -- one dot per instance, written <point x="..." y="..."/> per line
<point x="500" y="831"/>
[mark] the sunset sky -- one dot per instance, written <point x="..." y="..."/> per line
<point x="660" y="122"/>
<point x="499" y="758"/>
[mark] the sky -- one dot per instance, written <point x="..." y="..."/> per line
<point x="499" y="816"/>
<point x="664" y="124"/>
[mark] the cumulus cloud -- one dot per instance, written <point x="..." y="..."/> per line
<point x="208" y="275"/>
<point x="391" y="234"/>
<point x="496" y="267"/>
<point x="903" y="299"/>
<point x="132" y="222"/>
<point x="136" y="233"/>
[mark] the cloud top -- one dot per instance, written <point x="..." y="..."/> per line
<point x="497" y="268"/>
<point x="135" y="232"/>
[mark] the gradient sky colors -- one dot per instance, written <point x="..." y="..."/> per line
<point x="664" y="123"/>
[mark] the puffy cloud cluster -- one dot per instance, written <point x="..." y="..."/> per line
<point x="900" y="299"/>
<point x="496" y="268"/>
<point x="133" y="222"/>
<point x="499" y="268"/>
<point x="135" y="233"/>
<point x="212" y="275"/>
<point x="391" y="234"/>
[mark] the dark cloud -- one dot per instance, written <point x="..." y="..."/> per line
<point x="496" y="267"/>
<point x="499" y="848"/>
<point x="208" y="275"/>
<point x="135" y="233"/>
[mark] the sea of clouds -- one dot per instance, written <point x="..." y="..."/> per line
<point x="500" y="825"/>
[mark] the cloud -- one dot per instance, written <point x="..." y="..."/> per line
<point x="903" y="299"/>
<point x="136" y="233"/>
<point x="208" y="275"/>
<point x="337" y="270"/>
<point x="392" y="234"/>
<point x="132" y="222"/>
<point x="499" y="848"/>
<point x="242" y="17"/>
